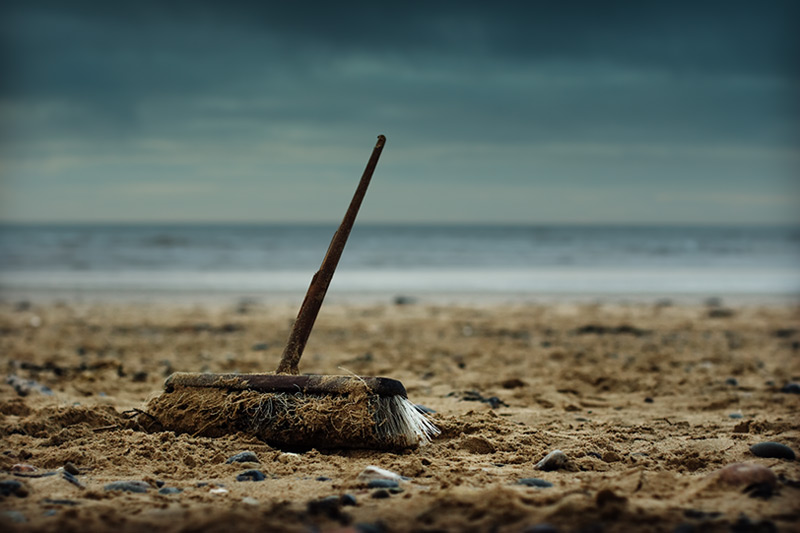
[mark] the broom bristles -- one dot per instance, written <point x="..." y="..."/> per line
<point x="355" y="420"/>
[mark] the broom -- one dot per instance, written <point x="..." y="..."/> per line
<point x="292" y="410"/>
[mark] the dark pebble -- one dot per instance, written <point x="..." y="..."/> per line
<point x="128" y="486"/>
<point x="328" y="506"/>
<point x="370" y="528"/>
<point x="534" y="482"/>
<point x="735" y="416"/>
<point x="383" y="484"/>
<point x="495" y="402"/>
<point x="648" y="400"/>
<point x="251" y="475"/>
<point x="791" y="388"/>
<point x="60" y="502"/>
<point x="380" y="494"/>
<point x="773" y="450"/>
<point x="396" y="490"/>
<point x="733" y="382"/>
<point x="140" y="376"/>
<point x="696" y="514"/>
<point x="347" y="499"/>
<point x="541" y="528"/>
<point x="169" y="490"/>
<point x="323" y="478"/>
<point x="71" y="468"/>
<point x="243" y="457"/>
<point x="160" y="483"/>
<point x="404" y="300"/>
<point x="260" y="347"/>
<point x="72" y="479"/>
<point x="12" y="486"/>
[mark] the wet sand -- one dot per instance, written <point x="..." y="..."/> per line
<point x="647" y="401"/>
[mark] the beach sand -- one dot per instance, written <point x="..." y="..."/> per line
<point x="647" y="401"/>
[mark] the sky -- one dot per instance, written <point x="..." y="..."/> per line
<point x="549" y="112"/>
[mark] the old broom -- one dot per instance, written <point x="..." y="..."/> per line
<point x="292" y="410"/>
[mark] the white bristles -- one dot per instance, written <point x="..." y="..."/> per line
<point x="400" y="421"/>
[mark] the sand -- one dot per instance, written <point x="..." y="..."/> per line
<point x="647" y="401"/>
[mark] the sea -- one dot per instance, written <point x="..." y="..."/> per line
<point x="404" y="262"/>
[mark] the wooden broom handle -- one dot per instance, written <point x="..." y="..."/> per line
<point x="322" y="279"/>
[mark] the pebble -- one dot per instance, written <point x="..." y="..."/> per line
<point x="242" y="457"/>
<point x="374" y="472"/>
<point x="347" y="499"/>
<point x="383" y="484"/>
<point x="251" y="475"/>
<point x="380" y="494"/>
<point x="791" y="388"/>
<point x="72" y="479"/>
<point x="250" y="501"/>
<point x="746" y="474"/>
<point x="733" y="382"/>
<point x="128" y="486"/>
<point x="12" y="486"/>
<point x="322" y="478"/>
<point x="541" y="528"/>
<point x="772" y="449"/>
<point x="735" y="415"/>
<point x="534" y="482"/>
<point x="218" y="490"/>
<point x="23" y="467"/>
<point x="552" y="461"/>
<point x="71" y="469"/>
<point x="260" y="347"/>
<point x="328" y="506"/>
<point x="169" y="490"/>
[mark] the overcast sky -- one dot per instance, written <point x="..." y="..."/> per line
<point x="524" y="112"/>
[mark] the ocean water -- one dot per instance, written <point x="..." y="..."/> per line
<point x="401" y="259"/>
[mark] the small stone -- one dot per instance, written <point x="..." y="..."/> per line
<point x="773" y="450"/>
<point x="218" y="490"/>
<point x="404" y="300"/>
<point x="71" y="469"/>
<point x="791" y="388"/>
<point x="250" y="501"/>
<point x="347" y="499"/>
<point x="733" y="382"/>
<point x="322" y="478"/>
<point x="611" y="457"/>
<point x="128" y="486"/>
<point x="160" y="483"/>
<point x="72" y="479"/>
<point x="541" y="528"/>
<point x="260" y="347"/>
<point x="251" y="475"/>
<point x="12" y="486"/>
<point x="648" y="400"/>
<point x="746" y="474"/>
<point x="243" y="457"/>
<point x="735" y="416"/>
<point x="169" y="490"/>
<point x="552" y="461"/>
<point x="328" y="506"/>
<point x="23" y="467"/>
<point x="534" y="482"/>
<point x="380" y="494"/>
<point x="375" y="472"/>
<point x="382" y="484"/>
